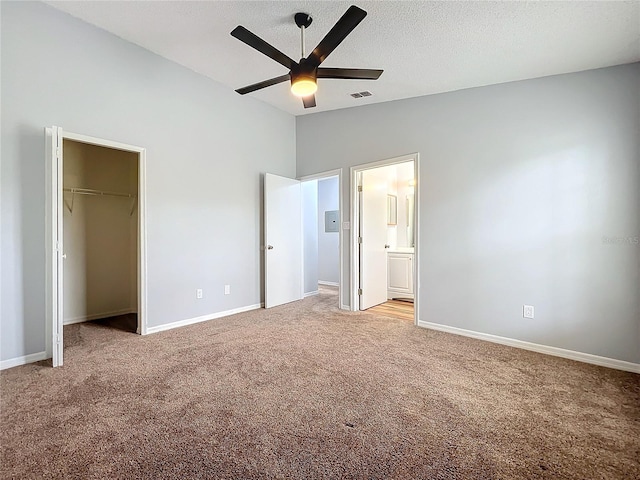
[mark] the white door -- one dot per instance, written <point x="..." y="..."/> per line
<point x="55" y="250"/>
<point x="283" y="240"/>
<point x="373" y="235"/>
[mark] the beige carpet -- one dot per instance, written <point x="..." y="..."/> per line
<point x="305" y="391"/>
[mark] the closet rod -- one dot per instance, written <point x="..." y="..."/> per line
<point x="89" y="191"/>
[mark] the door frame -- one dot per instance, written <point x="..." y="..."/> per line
<point x="355" y="222"/>
<point x="54" y="157"/>
<point x="320" y="176"/>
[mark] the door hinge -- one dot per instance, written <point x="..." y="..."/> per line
<point x="57" y="246"/>
<point x="359" y="188"/>
<point x="359" y="239"/>
<point x="359" y="291"/>
<point x="58" y="152"/>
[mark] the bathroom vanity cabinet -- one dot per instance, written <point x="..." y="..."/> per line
<point x="399" y="274"/>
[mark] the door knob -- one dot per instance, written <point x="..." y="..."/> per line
<point x="387" y="246"/>
<point x="269" y="247"/>
<point x="64" y="255"/>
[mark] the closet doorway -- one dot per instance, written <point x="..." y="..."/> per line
<point x="322" y="236"/>
<point x="96" y="264"/>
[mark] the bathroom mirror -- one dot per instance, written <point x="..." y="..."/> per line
<point x="392" y="210"/>
<point x="410" y="219"/>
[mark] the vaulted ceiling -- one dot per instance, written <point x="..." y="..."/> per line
<point x="424" y="47"/>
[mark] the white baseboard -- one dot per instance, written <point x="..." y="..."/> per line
<point x="14" y="362"/>
<point x="329" y="284"/>
<point x="311" y="294"/>
<point x="345" y="307"/>
<point x="203" y="318"/>
<point x="97" y="316"/>
<point x="535" y="347"/>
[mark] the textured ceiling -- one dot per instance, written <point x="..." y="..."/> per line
<point x="423" y="47"/>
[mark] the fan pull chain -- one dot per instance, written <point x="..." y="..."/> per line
<point x="302" y="40"/>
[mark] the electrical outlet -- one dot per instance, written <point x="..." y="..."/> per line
<point x="227" y="289"/>
<point x="527" y="311"/>
<point x="199" y="293"/>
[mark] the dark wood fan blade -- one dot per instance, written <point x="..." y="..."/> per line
<point x="256" y="42"/>
<point x="264" y="84"/>
<point x="350" y="20"/>
<point x="309" y="101"/>
<point x="349" y="73"/>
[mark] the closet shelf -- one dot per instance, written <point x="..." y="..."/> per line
<point x="89" y="191"/>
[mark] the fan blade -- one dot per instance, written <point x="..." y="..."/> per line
<point x="349" y="73"/>
<point x="256" y="42"/>
<point x="264" y="84"/>
<point x="350" y="20"/>
<point x="309" y="101"/>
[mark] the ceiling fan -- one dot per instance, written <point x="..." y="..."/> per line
<point x="304" y="74"/>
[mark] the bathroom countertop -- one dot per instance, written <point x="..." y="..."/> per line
<point x="400" y="250"/>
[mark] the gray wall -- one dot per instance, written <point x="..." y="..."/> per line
<point x="529" y="195"/>
<point x="206" y="149"/>
<point x="310" y="235"/>
<point x="328" y="242"/>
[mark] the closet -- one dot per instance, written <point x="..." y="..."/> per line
<point x="100" y="226"/>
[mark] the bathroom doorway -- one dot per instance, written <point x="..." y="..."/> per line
<point x="384" y="237"/>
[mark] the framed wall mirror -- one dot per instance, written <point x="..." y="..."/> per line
<point x="392" y="210"/>
<point x="410" y="215"/>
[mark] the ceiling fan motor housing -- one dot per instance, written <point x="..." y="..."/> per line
<point x="304" y="69"/>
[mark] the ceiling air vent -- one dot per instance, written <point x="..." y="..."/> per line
<point x="366" y="93"/>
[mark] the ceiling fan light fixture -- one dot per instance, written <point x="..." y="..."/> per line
<point x="303" y="86"/>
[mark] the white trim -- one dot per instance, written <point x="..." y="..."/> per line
<point x="203" y="318"/>
<point x="301" y="243"/>
<point x="53" y="241"/>
<point x="142" y="242"/>
<point x="50" y="225"/>
<point x="344" y="307"/>
<point x="322" y="175"/>
<point x="416" y="237"/>
<point x="354" y="279"/>
<point x="78" y="137"/>
<point x="311" y="294"/>
<point x="536" y="347"/>
<point x="329" y="284"/>
<point x="98" y="316"/>
<point x="384" y="163"/>
<point x="17" y="361"/>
